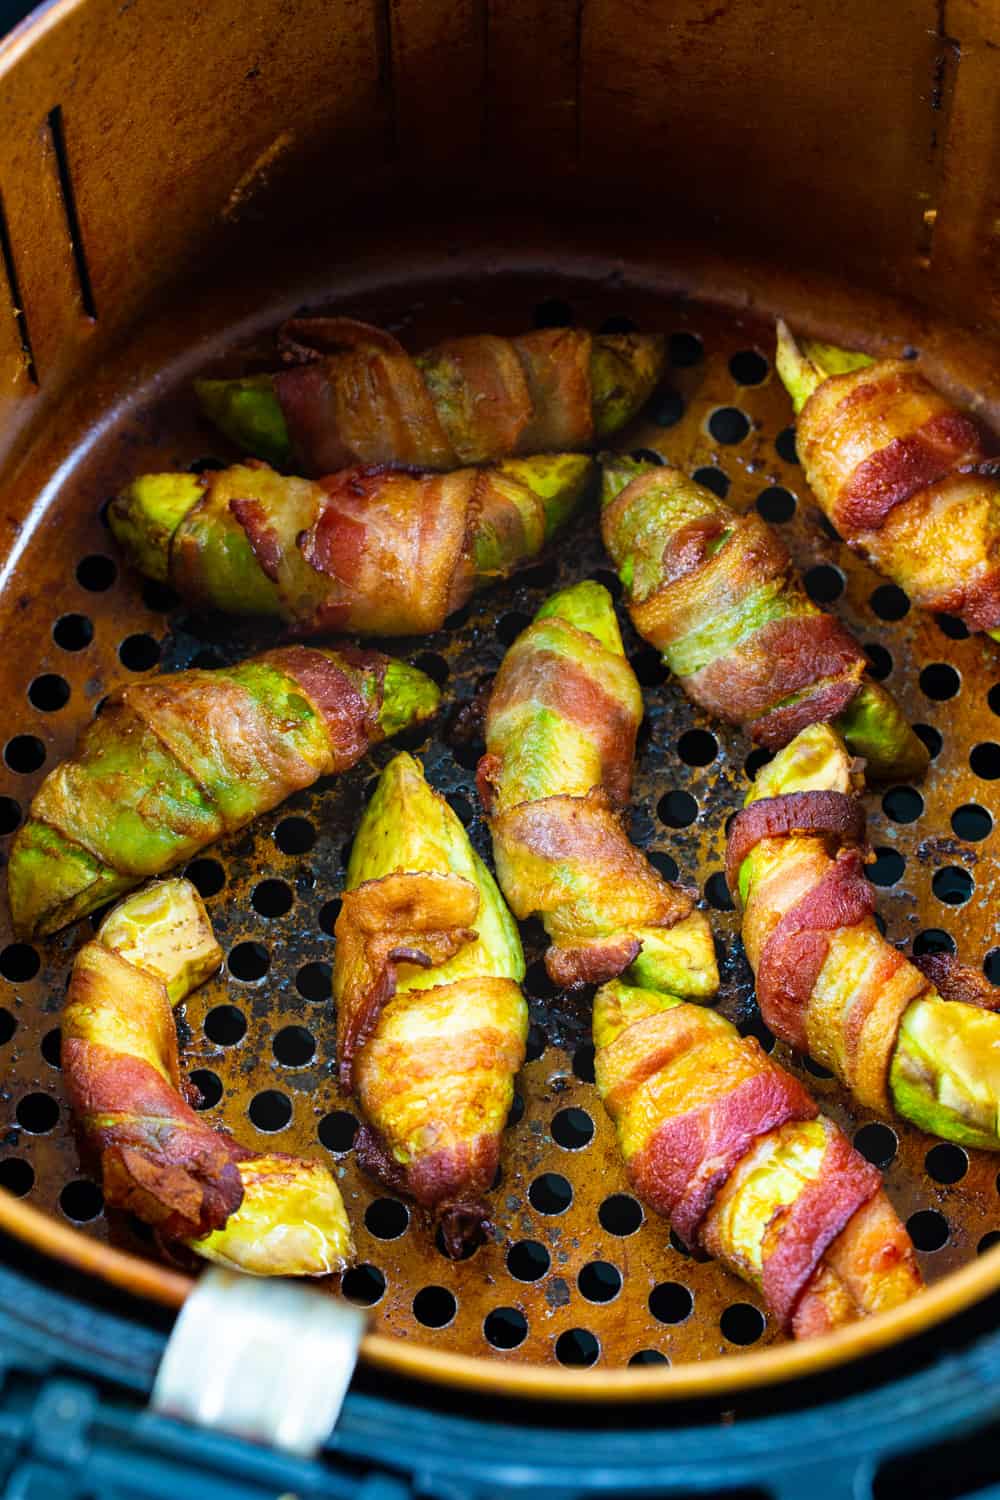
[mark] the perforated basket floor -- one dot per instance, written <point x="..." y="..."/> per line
<point x="578" y="1275"/>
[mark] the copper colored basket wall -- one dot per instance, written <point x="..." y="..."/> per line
<point x="171" y="184"/>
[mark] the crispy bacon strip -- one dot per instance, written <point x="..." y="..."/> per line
<point x="954" y="980"/>
<point x="825" y="814"/>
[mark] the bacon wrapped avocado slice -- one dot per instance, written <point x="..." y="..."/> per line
<point x="354" y="396"/>
<point x="267" y="1215"/>
<point x="828" y="982"/>
<point x="179" y="760"/>
<point x="560" y="742"/>
<point x="431" y="1021"/>
<point x="905" y="477"/>
<point x="366" y="551"/>
<point x="732" y="1150"/>
<point x="716" y="592"/>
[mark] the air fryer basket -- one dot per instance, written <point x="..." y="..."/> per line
<point x="169" y="192"/>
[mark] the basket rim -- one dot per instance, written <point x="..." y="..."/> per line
<point x="493" y="1376"/>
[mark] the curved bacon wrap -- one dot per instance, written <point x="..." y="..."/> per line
<point x="560" y="740"/>
<point x="268" y="1215"/>
<point x="372" y="551"/>
<point x="716" y="592"/>
<point x="176" y="761"/>
<point x="917" y="1039"/>
<point x="731" y="1149"/>
<point x="431" y="1022"/>
<point x="906" y="478"/>
<point x="352" y="394"/>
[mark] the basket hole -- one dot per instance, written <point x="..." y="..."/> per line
<point x="577" y="1346"/>
<point x="209" y="1086"/>
<point x="554" y="313"/>
<point x="467" y="1249"/>
<point x="667" y="409"/>
<point x="931" y="737"/>
<point x="535" y="1044"/>
<point x="747" y="367"/>
<point x="991" y="966"/>
<point x="599" y="1281"/>
<point x="712" y="479"/>
<point x="17" y="1176"/>
<point x="816" y="1069"/>
<point x="951" y="626"/>
<point x="387" y="1218"/>
<point x="717" y="892"/>
<point x="551" y="1193"/>
<point x="24" y="753"/>
<point x="8" y="1026"/>
<point x="516" y="1112"/>
<point x="933" y="940"/>
<point x="939" y="681"/>
<point x="903" y="804"/>
<point x="946" y="1163"/>
<point x="648" y="1357"/>
<point x="663" y="863"/>
<point x="755" y="1026"/>
<point x="295" y="835"/>
<point x="207" y="876"/>
<point x="336" y="1131"/>
<point x="73" y="632"/>
<point x="294" y="1046"/>
<point x="51" y="1047"/>
<point x="671" y="1302"/>
<point x="729" y="425"/>
<point x="620" y="1214"/>
<point x="785" y="445"/>
<point x="991" y="1238"/>
<point x="608" y="580"/>
<point x="10" y="815"/>
<point x="328" y="914"/>
<point x="677" y="809"/>
<point x="19" y="962"/>
<point x="879" y="661"/>
<point x="742" y="1323"/>
<point x="314" y="981"/>
<point x="756" y="761"/>
<point x="364" y="1284"/>
<point x="505" y="1328"/>
<point x="159" y="598"/>
<point x="528" y="1260"/>
<point x="509" y="627"/>
<point x="572" y="1129"/>
<point x="272" y="898"/>
<point x="696" y="747"/>
<point x="619" y="323"/>
<point x="538" y="983"/>
<point x="435" y="666"/>
<point x="886" y="868"/>
<point x="434" y="1306"/>
<point x="583" y="1062"/>
<point x="678" y="1245"/>
<point x="953" y="885"/>
<point x="270" y="1111"/>
<point x="81" y="1201"/>
<point x="96" y="573"/>
<point x="971" y="822"/>
<point x="985" y="760"/>
<point x="648" y="456"/>
<point x="685" y="349"/>
<point x="225" y="1025"/>
<point x="249" y="962"/>
<point x="776" y="504"/>
<point x="648" y="666"/>
<point x="37" y="1113"/>
<point x="139" y="653"/>
<point x="928" y="1229"/>
<point x="49" y="693"/>
<point x="877" y="1143"/>
<point x="461" y="806"/>
<point x="993" y="698"/>
<point x="889" y="602"/>
<point x="824" y="584"/>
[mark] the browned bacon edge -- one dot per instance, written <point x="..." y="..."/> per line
<point x="827" y="814"/>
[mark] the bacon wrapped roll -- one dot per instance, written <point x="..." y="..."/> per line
<point x="431" y="1021"/>
<point x="906" y="478"/>
<point x="716" y="592"/>
<point x="732" y="1150"/>
<point x="560" y="741"/>
<point x="268" y="1215"/>
<point x="368" y="551"/>
<point x="177" y="761"/>
<point x="352" y="395"/>
<point x="828" y="982"/>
